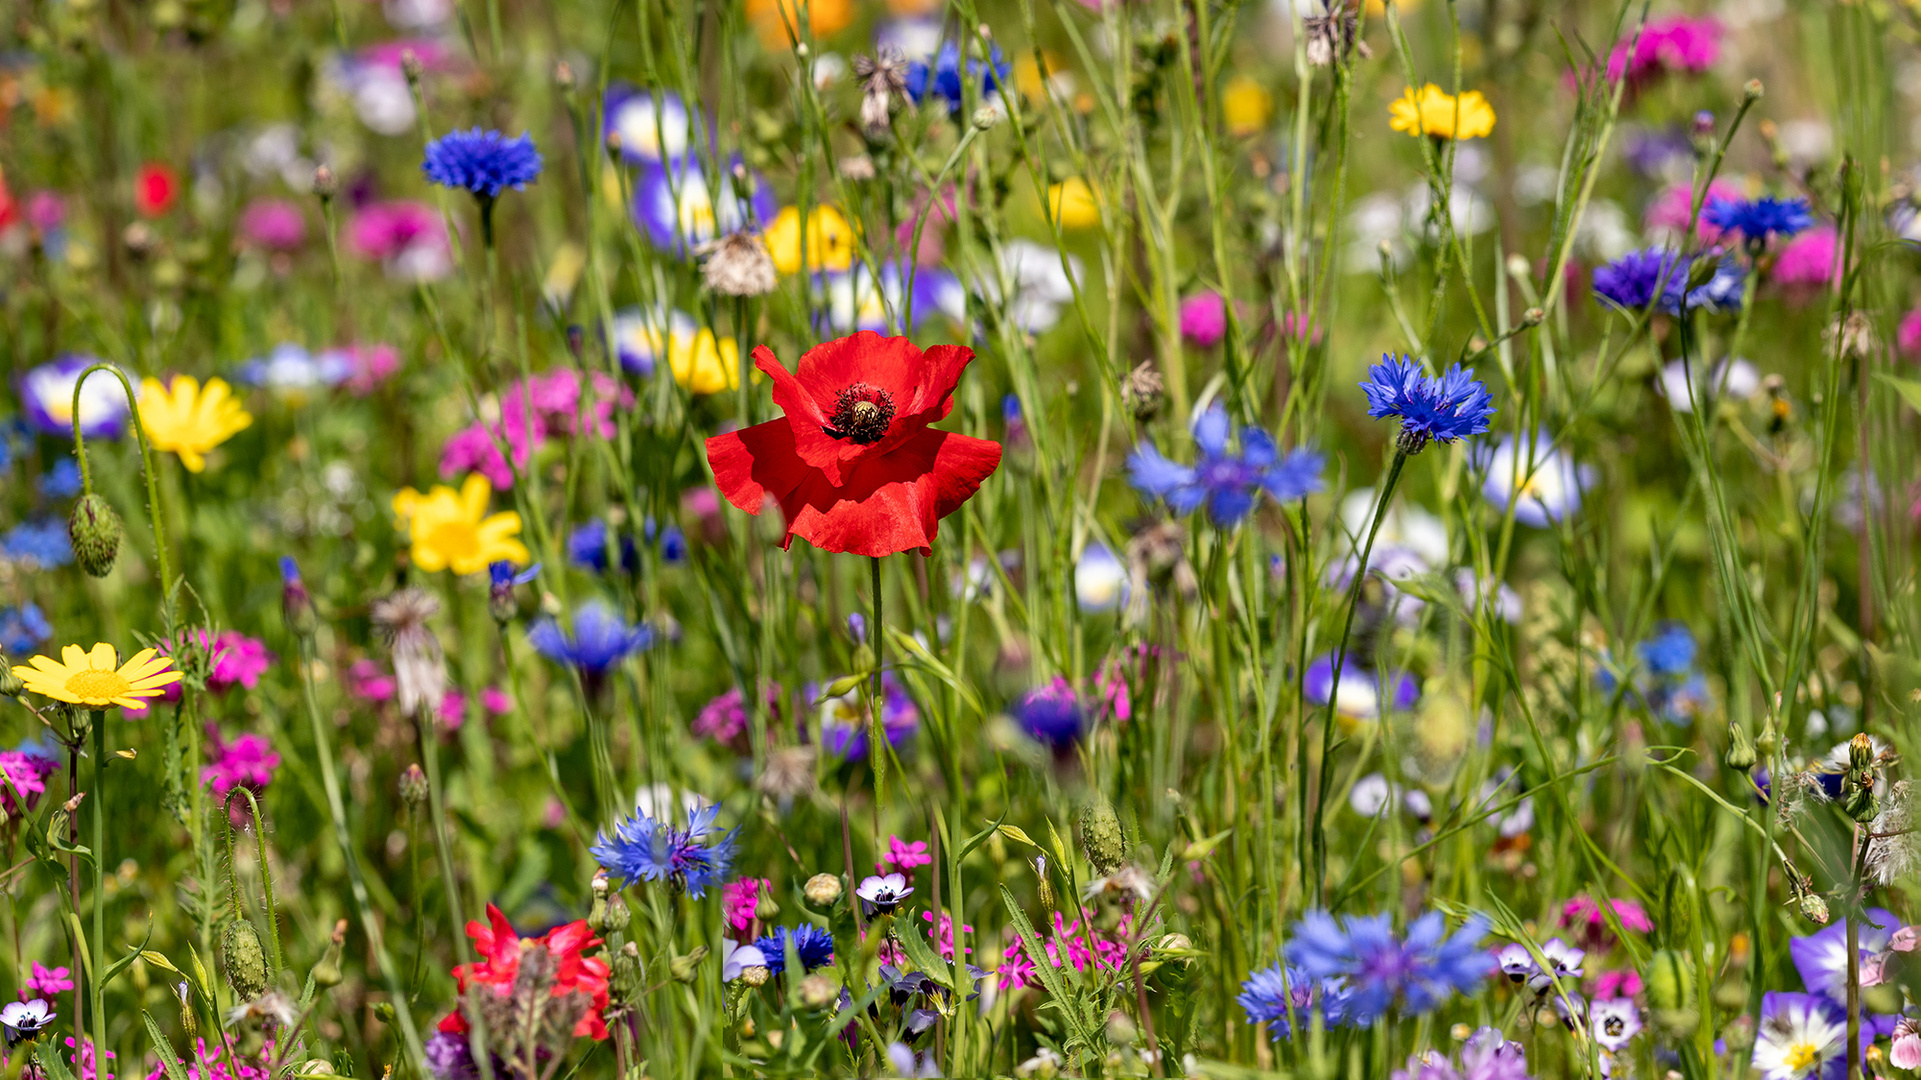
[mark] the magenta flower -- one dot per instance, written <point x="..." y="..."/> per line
<point x="1670" y="210"/>
<point x="495" y="701"/>
<point x="558" y="408"/>
<point x="249" y="760"/>
<point x="209" y="1063"/>
<point x="739" y="899"/>
<point x="49" y="981"/>
<point x="453" y="709"/>
<point x="27" y="772"/>
<point x="46" y="211"/>
<point x="368" y="681"/>
<point x="1907" y="337"/>
<point x="1617" y="984"/>
<point x="1584" y="916"/>
<point x="1204" y="319"/>
<point x="409" y="238"/>
<point x="1676" y="45"/>
<point x="237" y="659"/>
<point x="274" y="224"/>
<point x="1808" y="259"/>
<point x="370" y="365"/>
<point x="903" y="857"/>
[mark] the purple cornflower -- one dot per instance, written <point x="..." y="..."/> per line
<point x="1228" y="483"/>
<point x="1822" y="957"/>
<point x="601" y="639"/>
<point x="588" y="547"/>
<point x="42" y="544"/>
<point x="843" y="720"/>
<point x="1631" y="282"/>
<point x="1380" y="972"/>
<point x="1268" y="996"/>
<point x="1758" y="220"/>
<point x="944" y="78"/>
<point x="643" y="849"/>
<point x="1484" y="1056"/>
<point x="483" y="162"/>
<point x="1439" y="408"/>
<point x="1051" y="715"/>
<point x="24" y="628"/>
<point x="813" y="945"/>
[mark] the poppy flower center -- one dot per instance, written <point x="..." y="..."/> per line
<point x="862" y="414"/>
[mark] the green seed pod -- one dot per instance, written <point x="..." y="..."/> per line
<point x="246" y="961"/>
<point x="1740" y="756"/>
<point x="326" y="974"/>
<point x="1101" y="837"/>
<point x="1669" y="977"/>
<point x="95" y="531"/>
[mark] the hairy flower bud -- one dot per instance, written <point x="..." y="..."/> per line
<point x="324" y="184"/>
<point x="413" y="786"/>
<point x="246" y="961"/>
<point x="10" y="684"/>
<point x="1101" y="836"/>
<point x="1814" y="908"/>
<point x="95" y="531"/>
<point x="296" y="604"/>
<point x="822" y="890"/>
<point x="686" y="968"/>
<point x="755" y="976"/>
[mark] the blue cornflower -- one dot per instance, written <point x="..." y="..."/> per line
<point x="1226" y="482"/>
<point x="587" y="547"/>
<point x="1380" y="972"/>
<point x="600" y="640"/>
<point x="813" y="945"/>
<point x="643" y="849"/>
<point x="483" y="162"/>
<point x="42" y="542"/>
<point x="503" y="575"/>
<point x="1630" y="281"/>
<point x="673" y="543"/>
<point x="1051" y="715"/>
<point x="1268" y="996"/>
<point x="23" y="629"/>
<point x="1669" y="652"/>
<point x="1758" y="219"/>
<point x="943" y="78"/>
<point x="62" y="481"/>
<point x="1440" y="408"/>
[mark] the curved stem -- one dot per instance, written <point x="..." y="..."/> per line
<point x="266" y="871"/>
<point x="1340" y="661"/>
<point x="146" y="462"/>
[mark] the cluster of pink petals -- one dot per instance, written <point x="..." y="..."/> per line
<point x="1585" y="917"/>
<point x="274" y="224"/>
<point x="1204" y="319"/>
<point x="1678" y="43"/>
<point x="1671" y="209"/>
<point x="48" y="981"/>
<point x="1808" y="259"/>
<point x="372" y="365"/>
<point x="1069" y="941"/>
<point x="433" y="56"/>
<point x="891" y="953"/>
<point x="368" y="681"/>
<point x="1624" y="983"/>
<point x="249" y="761"/>
<point x="557" y="409"/>
<point x="387" y="230"/>
<point x="739" y="899"/>
<point x="724" y="718"/>
<point x="27" y="772"/>
<point x="234" y="659"/>
<point x="1907" y="336"/>
<point x="903" y="856"/>
<point x="209" y="1063"/>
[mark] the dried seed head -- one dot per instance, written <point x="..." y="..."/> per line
<point x="739" y="264"/>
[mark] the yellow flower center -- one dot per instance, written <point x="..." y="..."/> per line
<point x="457" y="540"/>
<point x="1801" y="1055"/>
<point x="93" y="685"/>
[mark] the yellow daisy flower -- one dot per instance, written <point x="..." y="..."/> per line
<point x="704" y="364"/>
<point x="1073" y="203"/>
<point x="830" y="240"/>
<point x="97" y="678"/>
<point x="189" y="419"/>
<point x="1246" y="106"/>
<point x="452" y="530"/>
<point x="1433" y="111"/>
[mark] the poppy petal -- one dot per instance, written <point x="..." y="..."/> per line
<point x="753" y="463"/>
<point x="894" y="503"/>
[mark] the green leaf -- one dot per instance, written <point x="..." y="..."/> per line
<point x="1909" y="389"/>
<point x="163" y="1048"/>
<point x="1201" y="849"/>
<point x="120" y="965"/>
<point x="922" y="956"/>
<point x="51" y="1063"/>
<point x="918" y="654"/>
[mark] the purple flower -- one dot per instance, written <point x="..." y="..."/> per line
<point x="652" y="127"/>
<point x="1051" y="715"/>
<point x="1268" y="996"/>
<point x="274" y="224"/>
<point x="674" y="206"/>
<point x="642" y="849"/>
<point x="1484" y="1056"/>
<point x="882" y="893"/>
<point x="23" y="629"/>
<point x="1226" y="482"/>
<point x="1379" y="972"/>
<point x="843" y="720"/>
<point x="1439" y="408"/>
<point x="46" y="397"/>
<point x="1822" y="957"/>
<point x="49" y="981"/>
<point x="1801" y="1036"/>
<point x="27" y="771"/>
<point x="1359" y="697"/>
<point x="1758" y="220"/>
<point x="601" y="639"/>
<point x="483" y="162"/>
<point x="1630" y="282"/>
<point x="945" y="79"/>
<point x="1204" y="319"/>
<point x="813" y="945"/>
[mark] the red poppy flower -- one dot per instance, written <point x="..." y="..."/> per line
<point x="155" y="189"/>
<point x="499" y="966"/>
<point x="854" y="464"/>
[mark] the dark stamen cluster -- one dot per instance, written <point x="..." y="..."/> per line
<point x="862" y="414"/>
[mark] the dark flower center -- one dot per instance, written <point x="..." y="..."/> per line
<point x="862" y="414"/>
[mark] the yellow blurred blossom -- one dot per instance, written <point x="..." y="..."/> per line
<point x="778" y="21"/>
<point x="830" y="240"/>
<point x="1246" y="106"/>
<point x="452" y="530"/>
<point x="1073" y="204"/>
<point x="1433" y="111"/>
<point x="1378" y="8"/>
<point x="703" y="364"/>
<point x="188" y="419"/>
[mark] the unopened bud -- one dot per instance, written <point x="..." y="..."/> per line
<point x="326" y="973"/>
<point x="1752" y="90"/>
<point x="140" y="239"/>
<point x="1704" y="124"/>
<point x="296" y="604"/>
<point x="413" y="786"/>
<point x="410" y="65"/>
<point x="613" y="143"/>
<point x="1101" y="836"/>
<point x="1740" y="756"/>
<point x="601" y="885"/>
<point x="564" y="75"/>
<point x="755" y="976"/>
<point x="1814" y="909"/>
<point x="614" y="916"/>
<point x="822" y="890"/>
<point x="324" y="184"/>
<point x="10" y="684"/>
<point x="1668" y="980"/>
<point x="1861" y="752"/>
<point x="94" y="530"/>
<point x="686" y="968"/>
<point x="1532" y="316"/>
<point x="766" y="910"/>
<point x="986" y="117"/>
<point x="246" y="961"/>
<point x="818" y="991"/>
<point x="1121" y="1029"/>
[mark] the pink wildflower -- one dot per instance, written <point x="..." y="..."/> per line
<point x="946" y="936"/>
<point x="46" y="211"/>
<point x="48" y="981"/>
<point x="496" y="701"/>
<point x="1673" y="207"/>
<point x="1617" y="984"/>
<point x="902" y="857"/>
<point x="210" y="1063"/>
<point x="1204" y="319"/>
<point x="1584" y="915"/>
<point x="27" y="772"/>
<point x="1068" y="944"/>
<point x="83" y="1061"/>
<point x="1907" y="337"/>
<point x="368" y="681"/>
<point x="557" y="409"/>
<point x="1906" y="1051"/>
<point x="274" y="224"/>
<point x="371" y="366"/>
<point x="1678" y="44"/>
<point x="1808" y="259"/>
<point x="453" y="709"/>
<point x="739" y="899"/>
<point x="237" y="659"/>
<point x="249" y="761"/>
<point x="408" y="237"/>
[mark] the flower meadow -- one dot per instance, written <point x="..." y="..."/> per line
<point x="1042" y="538"/>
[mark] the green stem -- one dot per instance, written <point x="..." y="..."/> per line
<point x="95" y="984"/>
<point x="876" y="730"/>
<point x="437" y="808"/>
<point x="146" y="462"/>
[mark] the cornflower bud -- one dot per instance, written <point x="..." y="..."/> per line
<point x="324" y="184"/>
<point x="296" y="603"/>
<point x="95" y="530"/>
<point x="413" y="786"/>
<point x="1740" y="754"/>
<point x="410" y="66"/>
<point x="686" y="968"/>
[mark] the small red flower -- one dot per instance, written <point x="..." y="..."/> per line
<point x="854" y="464"/>
<point x="499" y="966"/>
<point x="155" y="189"/>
